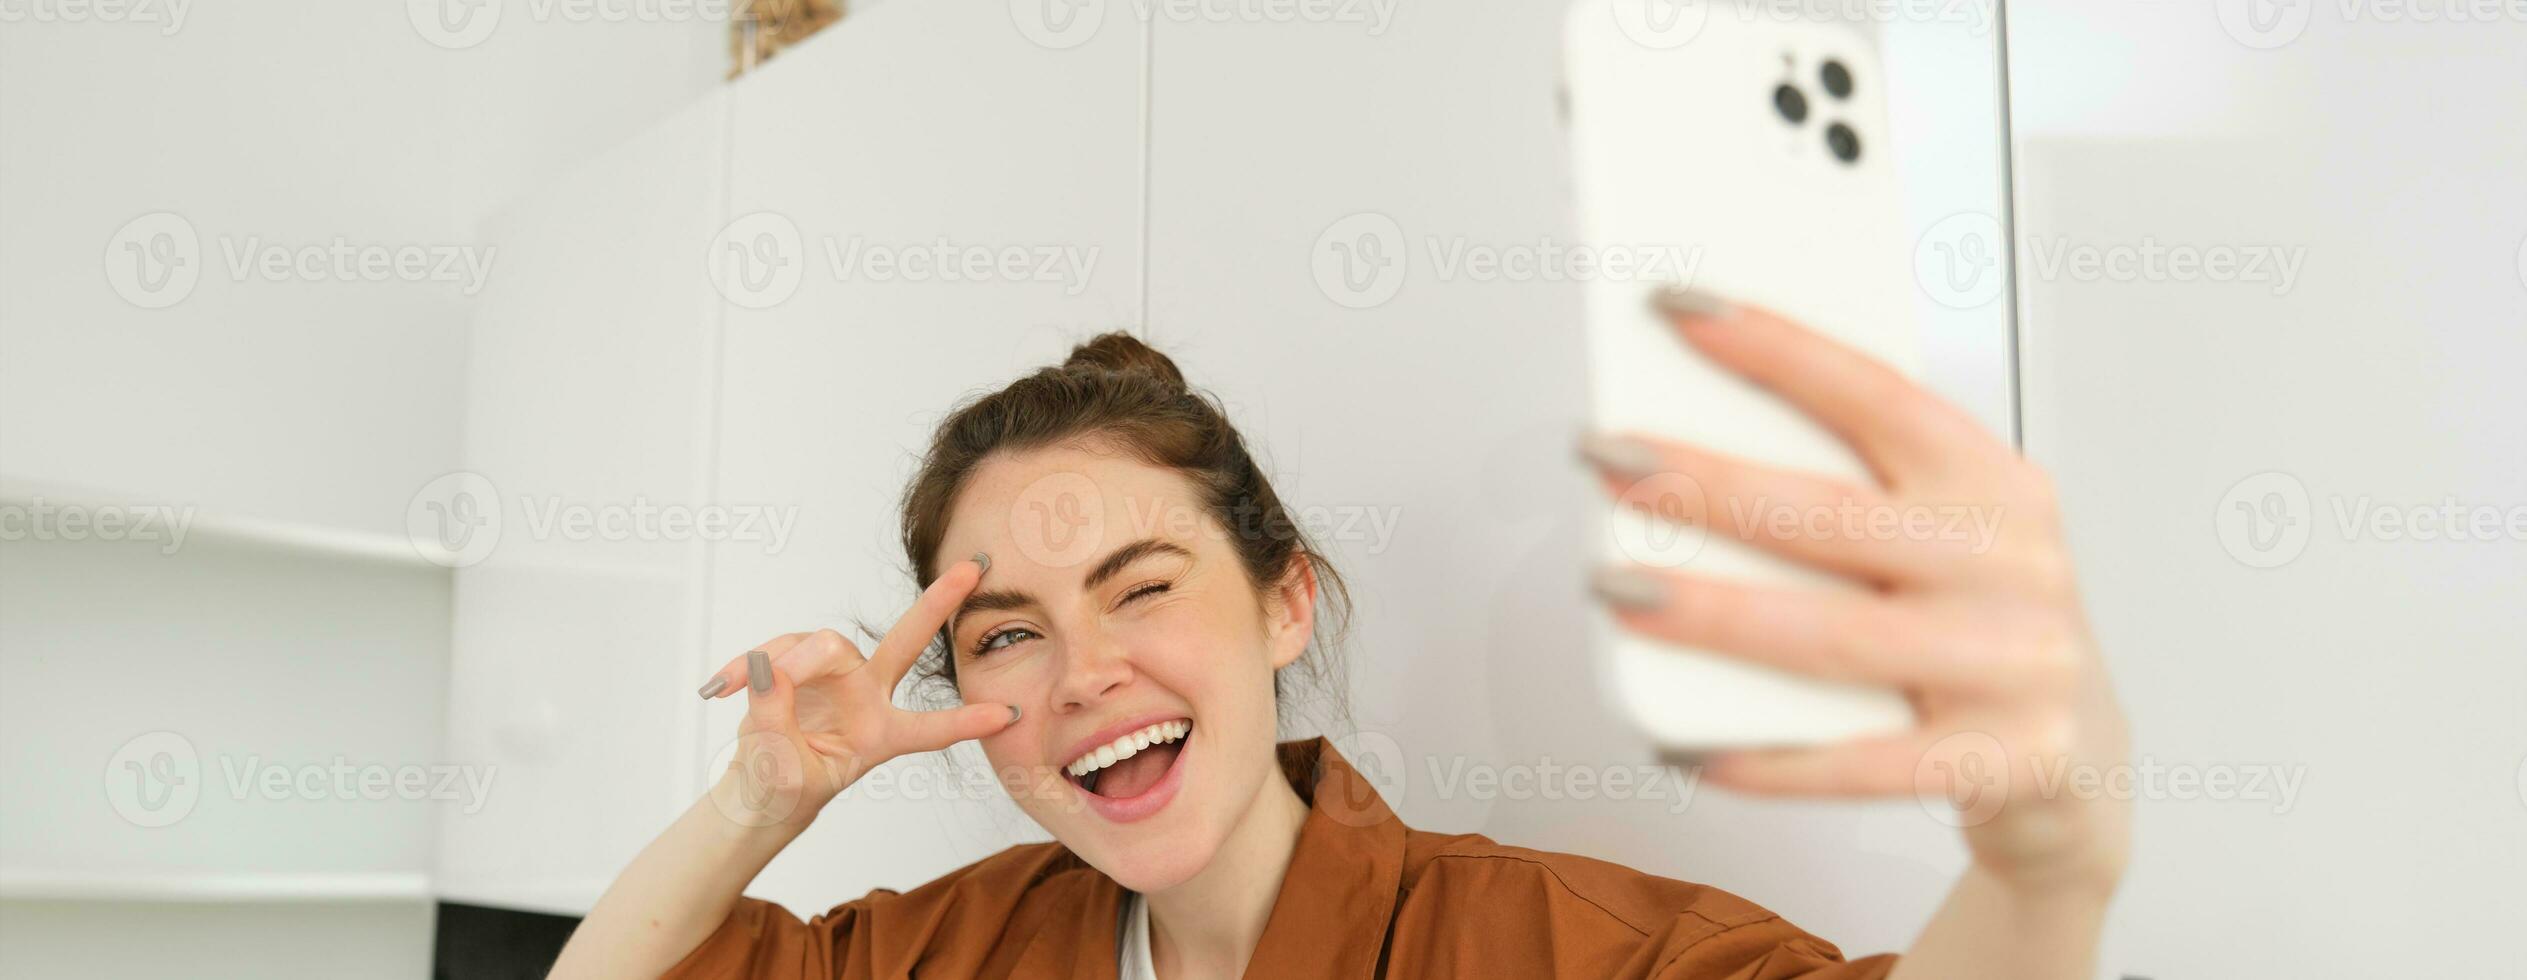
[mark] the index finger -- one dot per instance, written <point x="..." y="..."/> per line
<point x="904" y="641"/>
<point x="1896" y="426"/>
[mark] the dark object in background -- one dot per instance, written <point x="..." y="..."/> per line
<point x="477" y="941"/>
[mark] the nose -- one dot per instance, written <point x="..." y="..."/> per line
<point x="1093" y="669"/>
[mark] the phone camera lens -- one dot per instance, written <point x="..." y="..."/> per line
<point x="1844" y="142"/>
<point x="1837" y="79"/>
<point x="1790" y="103"/>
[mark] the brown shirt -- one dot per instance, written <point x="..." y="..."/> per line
<point x="1365" y="896"/>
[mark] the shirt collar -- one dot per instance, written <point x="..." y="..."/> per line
<point x="1339" y="894"/>
<point x="1337" y="897"/>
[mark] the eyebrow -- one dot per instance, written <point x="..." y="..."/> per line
<point x="1115" y="562"/>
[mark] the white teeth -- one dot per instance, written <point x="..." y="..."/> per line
<point x="1128" y="746"/>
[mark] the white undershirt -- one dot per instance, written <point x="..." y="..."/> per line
<point x="1132" y="962"/>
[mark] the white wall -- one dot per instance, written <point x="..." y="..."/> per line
<point x="291" y="421"/>
<point x="2383" y="669"/>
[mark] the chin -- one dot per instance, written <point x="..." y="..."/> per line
<point x="1154" y="864"/>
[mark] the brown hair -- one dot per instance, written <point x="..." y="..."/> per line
<point x="1118" y="391"/>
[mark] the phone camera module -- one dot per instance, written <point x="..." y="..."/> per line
<point x="1837" y="79"/>
<point x="1790" y="103"/>
<point x="1844" y="143"/>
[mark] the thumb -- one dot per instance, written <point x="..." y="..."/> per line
<point x="930" y="731"/>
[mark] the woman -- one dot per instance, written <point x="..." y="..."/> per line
<point x="1120" y="665"/>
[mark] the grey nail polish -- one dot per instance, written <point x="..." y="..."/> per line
<point x="1013" y="714"/>
<point x="759" y="671"/>
<point x="718" y="683"/>
<point x="1682" y="300"/>
<point x="983" y="559"/>
<point x="1628" y="588"/>
<point x="1626" y="457"/>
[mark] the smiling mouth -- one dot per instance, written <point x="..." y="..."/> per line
<point x="1130" y="765"/>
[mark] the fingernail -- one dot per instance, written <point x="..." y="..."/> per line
<point x="983" y="559"/>
<point x="1013" y="714"/>
<point x="719" y="682"/>
<point x="759" y="671"/>
<point x="1682" y="300"/>
<point x="1627" y="588"/>
<point x="1625" y="456"/>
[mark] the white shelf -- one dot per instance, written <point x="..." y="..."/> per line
<point x="231" y="887"/>
<point x="297" y="536"/>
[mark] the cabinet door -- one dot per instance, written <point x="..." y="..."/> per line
<point x="578" y="608"/>
<point x="878" y="159"/>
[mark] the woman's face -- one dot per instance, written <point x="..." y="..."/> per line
<point x="1116" y="605"/>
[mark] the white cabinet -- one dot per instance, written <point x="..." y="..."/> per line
<point x="796" y="389"/>
<point x="589" y="412"/>
<point x="921" y="133"/>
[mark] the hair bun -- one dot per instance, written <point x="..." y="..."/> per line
<point x="1121" y="352"/>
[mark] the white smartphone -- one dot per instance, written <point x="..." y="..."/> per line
<point x="1752" y="140"/>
